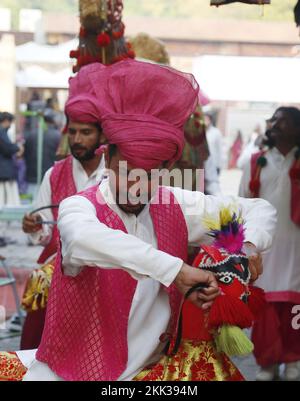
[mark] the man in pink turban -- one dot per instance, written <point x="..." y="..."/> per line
<point x="117" y="288"/>
<point x="141" y="108"/>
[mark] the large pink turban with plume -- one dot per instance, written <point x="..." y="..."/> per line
<point x="141" y="107"/>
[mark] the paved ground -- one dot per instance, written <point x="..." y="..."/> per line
<point x="23" y="256"/>
<point x="20" y="255"/>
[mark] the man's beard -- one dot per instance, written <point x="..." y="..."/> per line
<point x="131" y="209"/>
<point x="269" y="140"/>
<point x="89" y="154"/>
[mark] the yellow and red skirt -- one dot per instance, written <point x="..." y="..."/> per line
<point x="194" y="361"/>
<point x="11" y="368"/>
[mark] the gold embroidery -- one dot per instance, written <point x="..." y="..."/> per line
<point x="194" y="361"/>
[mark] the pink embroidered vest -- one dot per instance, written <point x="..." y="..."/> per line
<point x="62" y="185"/>
<point x="85" y="335"/>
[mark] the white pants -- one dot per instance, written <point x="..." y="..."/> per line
<point x="9" y="193"/>
<point x="37" y="371"/>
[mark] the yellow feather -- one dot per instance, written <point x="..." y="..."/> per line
<point x="211" y="222"/>
<point x="225" y="215"/>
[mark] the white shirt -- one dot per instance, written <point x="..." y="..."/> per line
<point x="248" y="151"/>
<point x="97" y="245"/>
<point x="212" y="182"/>
<point x="81" y="180"/>
<point x="214" y="139"/>
<point x="282" y="262"/>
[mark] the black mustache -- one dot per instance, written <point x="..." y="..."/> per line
<point x="78" y="148"/>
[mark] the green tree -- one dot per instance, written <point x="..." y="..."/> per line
<point x="279" y="10"/>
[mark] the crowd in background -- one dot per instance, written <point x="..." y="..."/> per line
<point x="19" y="158"/>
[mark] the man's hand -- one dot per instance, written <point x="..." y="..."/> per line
<point x="255" y="260"/>
<point x="31" y="223"/>
<point x="189" y="276"/>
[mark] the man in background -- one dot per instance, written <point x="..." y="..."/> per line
<point x="214" y="139"/>
<point x="51" y="138"/>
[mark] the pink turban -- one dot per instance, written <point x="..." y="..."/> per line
<point x="141" y="107"/>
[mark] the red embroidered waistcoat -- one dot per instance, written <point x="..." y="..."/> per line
<point x="62" y="186"/>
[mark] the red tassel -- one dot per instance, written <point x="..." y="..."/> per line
<point x="118" y="34"/>
<point x="257" y="300"/>
<point x="103" y="39"/>
<point x="229" y="310"/>
<point x="131" y="54"/>
<point x="74" y="54"/>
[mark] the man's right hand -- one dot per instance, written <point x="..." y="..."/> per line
<point x="31" y="223"/>
<point x="189" y="276"/>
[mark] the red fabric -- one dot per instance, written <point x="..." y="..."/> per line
<point x="85" y="336"/>
<point x="295" y="196"/>
<point x="283" y="296"/>
<point x="254" y="184"/>
<point x="275" y="340"/>
<point x="256" y="300"/>
<point x="33" y="329"/>
<point x="141" y="107"/>
<point x="62" y="186"/>
<point x="235" y="152"/>
<point x="194" y="323"/>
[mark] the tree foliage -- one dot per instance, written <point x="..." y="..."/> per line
<point x="279" y="10"/>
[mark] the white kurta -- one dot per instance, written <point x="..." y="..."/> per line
<point x="81" y="180"/>
<point x="86" y="241"/>
<point x="212" y="181"/>
<point x="248" y="151"/>
<point x="215" y="144"/>
<point x="9" y="193"/>
<point x="282" y="263"/>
